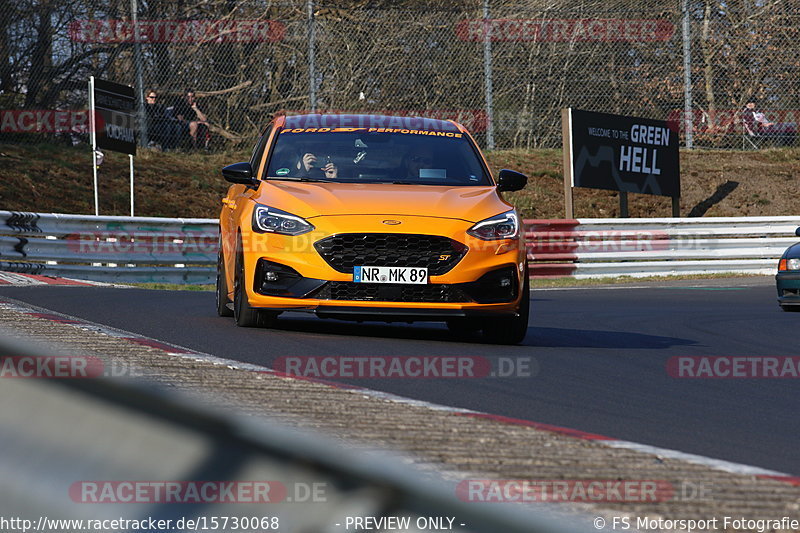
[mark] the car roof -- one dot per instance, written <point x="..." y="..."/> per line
<point x="317" y="120"/>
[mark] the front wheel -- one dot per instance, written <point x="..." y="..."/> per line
<point x="222" y="287"/>
<point x="245" y="316"/>
<point x="511" y="330"/>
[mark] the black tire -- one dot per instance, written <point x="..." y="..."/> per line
<point x="791" y="308"/>
<point x="511" y="330"/>
<point x="222" y="287"/>
<point x="463" y="326"/>
<point x="245" y="316"/>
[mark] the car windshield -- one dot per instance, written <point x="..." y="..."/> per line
<point x="359" y="155"/>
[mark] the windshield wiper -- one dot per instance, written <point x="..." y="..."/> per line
<point x="406" y="182"/>
<point x="295" y="178"/>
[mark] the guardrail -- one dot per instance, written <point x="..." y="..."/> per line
<point x="107" y="248"/>
<point x="184" y="250"/>
<point x="638" y="247"/>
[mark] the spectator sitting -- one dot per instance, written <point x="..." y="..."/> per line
<point x="193" y="120"/>
<point x="161" y="127"/>
<point x="756" y="125"/>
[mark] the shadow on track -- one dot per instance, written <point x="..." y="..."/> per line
<point x="537" y="336"/>
<point x="584" y="338"/>
<point x="425" y="331"/>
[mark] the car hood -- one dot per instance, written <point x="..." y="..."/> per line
<point x="313" y="199"/>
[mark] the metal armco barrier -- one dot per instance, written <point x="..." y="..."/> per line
<point x="178" y="250"/>
<point x="106" y="248"/>
<point x="638" y="247"/>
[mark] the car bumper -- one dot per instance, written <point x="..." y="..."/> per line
<point x="788" y="285"/>
<point x="397" y="314"/>
<point x="313" y="290"/>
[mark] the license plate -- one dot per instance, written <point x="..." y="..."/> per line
<point x="407" y="275"/>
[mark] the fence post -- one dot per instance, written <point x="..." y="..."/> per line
<point x="687" y="76"/>
<point x="312" y="74"/>
<point x="487" y="75"/>
<point x="137" y="61"/>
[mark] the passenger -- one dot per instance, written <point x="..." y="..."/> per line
<point x="308" y="166"/>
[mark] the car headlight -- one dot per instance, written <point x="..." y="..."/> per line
<point x="503" y="226"/>
<point x="790" y="264"/>
<point x="270" y="220"/>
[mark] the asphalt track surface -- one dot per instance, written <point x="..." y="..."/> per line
<point x="601" y="355"/>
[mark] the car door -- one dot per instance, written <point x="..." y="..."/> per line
<point x="234" y="203"/>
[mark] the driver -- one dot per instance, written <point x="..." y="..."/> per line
<point x="415" y="161"/>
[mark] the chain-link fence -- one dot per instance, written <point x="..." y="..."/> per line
<point x="503" y="68"/>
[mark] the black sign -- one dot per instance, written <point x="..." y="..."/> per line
<point x="624" y="154"/>
<point x="115" y="116"/>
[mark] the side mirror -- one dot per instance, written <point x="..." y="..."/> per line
<point x="511" y="180"/>
<point x="797" y="232"/>
<point x="240" y="173"/>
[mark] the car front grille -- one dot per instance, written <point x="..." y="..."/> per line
<point x="436" y="253"/>
<point x="390" y="292"/>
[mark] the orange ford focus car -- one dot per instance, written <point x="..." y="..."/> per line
<point x="366" y="217"/>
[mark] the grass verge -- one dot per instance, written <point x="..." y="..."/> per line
<point x="54" y="178"/>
